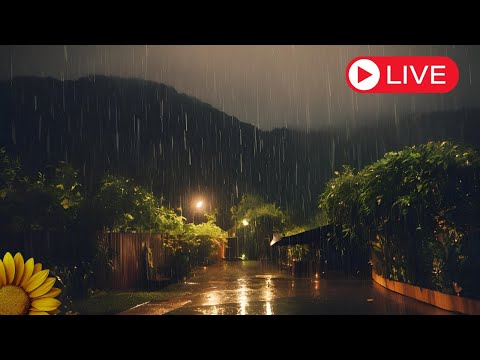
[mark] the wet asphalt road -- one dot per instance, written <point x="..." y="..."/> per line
<point x="241" y="288"/>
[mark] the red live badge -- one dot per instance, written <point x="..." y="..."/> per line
<point x="402" y="74"/>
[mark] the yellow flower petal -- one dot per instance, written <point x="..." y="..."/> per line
<point x="3" y="276"/>
<point x="19" y="267"/>
<point x="43" y="289"/>
<point x="54" y="312"/>
<point x="37" y="268"/>
<point x="45" y="304"/>
<point x="36" y="312"/>
<point x="27" y="272"/>
<point x="36" y="280"/>
<point x="9" y="267"/>
<point x="51" y="294"/>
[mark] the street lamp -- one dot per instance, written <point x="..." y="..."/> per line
<point x="245" y="222"/>
<point x="198" y="206"/>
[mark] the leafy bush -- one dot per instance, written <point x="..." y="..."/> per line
<point x="120" y="205"/>
<point x="262" y="220"/>
<point x="417" y="208"/>
<point x="52" y="201"/>
<point x="254" y="209"/>
<point x="199" y="240"/>
<point x="9" y="171"/>
<point x="46" y="202"/>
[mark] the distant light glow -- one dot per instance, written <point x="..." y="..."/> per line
<point x="243" y="296"/>
<point x="199" y="204"/>
<point x="243" y="257"/>
<point x="268" y="297"/>
<point x="268" y="308"/>
<point x="245" y="222"/>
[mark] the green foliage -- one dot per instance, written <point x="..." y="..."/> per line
<point x="263" y="219"/>
<point x="254" y="209"/>
<point x="53" y="201"/>
<point x="317" y="220"/>
<point x="168" y="222"/>
<point x="340" y="200"/>
<point x="9" y="171"/>
<point x="415" y="207"/>
<point x="65" y="186"/>
<point x="298" y="252"/>
<point x="63" y="190"/>
<point x="206" y="234"/>
<point x="123" y="206"/>
<point x="207" y="231"/>
<point x="42" y="203"/>
<point x="296" y="229"/>
<point x="340" y="205"/>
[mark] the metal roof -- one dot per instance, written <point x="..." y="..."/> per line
<point x="306" y="237"/>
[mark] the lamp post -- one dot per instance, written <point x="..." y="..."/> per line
<point x="199" y="205"/>
<point x="244" y="224"/>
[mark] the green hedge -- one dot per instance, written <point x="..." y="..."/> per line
<point x="419" y="210"/>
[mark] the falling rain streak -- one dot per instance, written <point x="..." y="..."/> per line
<point x="275" y="120"/>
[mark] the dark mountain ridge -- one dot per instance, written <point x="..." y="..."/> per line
<point x="181" y="147"/>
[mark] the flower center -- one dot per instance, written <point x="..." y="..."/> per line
<point x="13" y="301"/>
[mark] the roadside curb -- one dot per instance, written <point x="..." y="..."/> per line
<point x="436" y="298"/>
<point x="161" y="308"/>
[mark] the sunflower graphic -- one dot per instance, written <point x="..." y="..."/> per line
<point x="25" y="288"/>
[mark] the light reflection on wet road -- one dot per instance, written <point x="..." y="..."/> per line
<point x="244" y="288"/>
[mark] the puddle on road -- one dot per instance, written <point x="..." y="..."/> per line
<point x="272" y="277"/>
<point x="267" y="276"/>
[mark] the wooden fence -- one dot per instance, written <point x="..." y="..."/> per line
<point x="128" y="267"/>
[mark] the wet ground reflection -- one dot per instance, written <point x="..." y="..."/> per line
<point x="248" y="288"/>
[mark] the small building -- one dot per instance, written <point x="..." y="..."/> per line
<point x="317" y="237"/>
<point x="315" y="252"/>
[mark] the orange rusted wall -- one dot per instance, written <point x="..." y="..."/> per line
<point x="436" y="298"/>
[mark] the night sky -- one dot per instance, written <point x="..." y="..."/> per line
<point x="268" y="86"/>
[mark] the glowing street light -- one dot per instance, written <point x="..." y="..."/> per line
<point x="198" y="207"/>
<point x="245" y="222"/>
